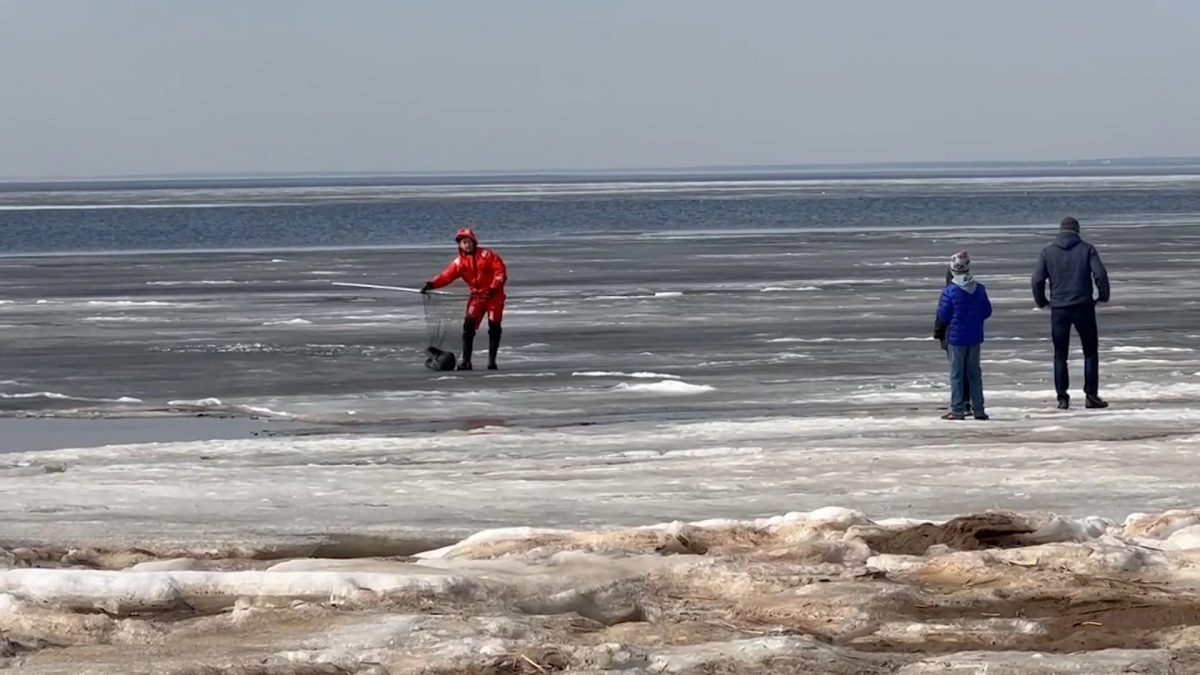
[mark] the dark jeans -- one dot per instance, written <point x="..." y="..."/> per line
<point x="965" y="368"/>
<point x="1083" y="319"/>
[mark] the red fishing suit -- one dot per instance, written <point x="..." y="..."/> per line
<point x="485" y="274"/>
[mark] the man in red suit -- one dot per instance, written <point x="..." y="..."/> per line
<point x="485" y="274"/>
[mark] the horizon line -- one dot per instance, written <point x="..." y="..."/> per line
<point x="1062" y="164"/>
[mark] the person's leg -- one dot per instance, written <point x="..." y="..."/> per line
<point x="957" y="372"/>
<point x="1089" y="337"/>
<point x="974" y="369"/>
<point x="470" y="325"/>
<point x="967" y="385"/>
<point x="949" y="366"/>
<point x="495" y="318"/>
<point x="1060" y="334"/>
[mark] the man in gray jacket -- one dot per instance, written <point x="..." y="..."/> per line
<point x="1071" y="264"/>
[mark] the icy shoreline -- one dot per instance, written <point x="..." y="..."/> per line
<point x="828" y="591"/>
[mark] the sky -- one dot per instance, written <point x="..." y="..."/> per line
<point x="106" y="88"/>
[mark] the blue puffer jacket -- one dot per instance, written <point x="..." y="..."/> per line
<point x="964" y="307"/>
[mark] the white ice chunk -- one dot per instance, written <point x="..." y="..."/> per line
<point x="123" y="591"/>
<point x="1185" y="539"/>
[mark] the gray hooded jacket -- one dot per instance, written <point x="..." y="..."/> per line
<point x="1069" y="264"/>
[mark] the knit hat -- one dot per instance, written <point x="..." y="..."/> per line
<point x="1069" y="223"/>
<point x="960" y="263"/>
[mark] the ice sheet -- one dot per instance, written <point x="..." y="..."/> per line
<point x="452" y="483"/>
<point x="763" y="450"/>
<point x="101" y="331"/>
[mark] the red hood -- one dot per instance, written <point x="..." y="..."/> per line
<point x="468" y="233"/>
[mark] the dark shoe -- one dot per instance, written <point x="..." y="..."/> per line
<point x="982" y="417"/>
<point x="492" y="366"/>
<point x="1095" y="402"/>
<point x="465" y="365"/>
<point x="1064" y="403"/>
<point x="952" y="416"/>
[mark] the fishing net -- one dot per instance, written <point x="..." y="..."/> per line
<point x="443" y="314"/>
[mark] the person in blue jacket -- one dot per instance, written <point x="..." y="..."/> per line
<point x="964" y="307"/>
<point x="939" y="334"/>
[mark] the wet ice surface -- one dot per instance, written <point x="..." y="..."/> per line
<point x="649" y="377"/>
<point x="726" y="325"/>
<point x="50" y="433"/>
<point x="645" y="381"/>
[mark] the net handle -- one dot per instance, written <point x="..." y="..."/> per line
<point x="389" y="288"/>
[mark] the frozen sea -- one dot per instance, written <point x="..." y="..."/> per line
<point x="675" y="348"/>
<point x="713" y="445"/>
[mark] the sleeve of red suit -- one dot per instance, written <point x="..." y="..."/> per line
<point x="448" y="275"/>
<point x="499" y="273"/>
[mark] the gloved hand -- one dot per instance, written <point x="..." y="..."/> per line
<point x="427" y="287"/>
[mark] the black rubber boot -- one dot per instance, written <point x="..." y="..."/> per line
<point x="468" y="343"/>
<point x="493" y="344"/>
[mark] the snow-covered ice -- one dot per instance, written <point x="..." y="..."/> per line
<point x="448" y="484"/>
